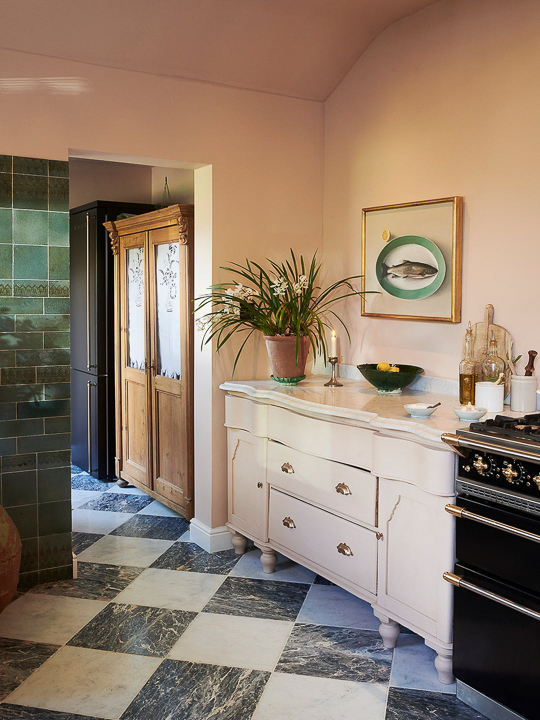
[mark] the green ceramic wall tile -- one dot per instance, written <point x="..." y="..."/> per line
<point x="8" y="411"/>
<point x="43" y="443"/>
<point x="30" y="263"/>
<point x="56" y="340"/>
<point x="18" y="376"/>
<point x="54" y="517"/>
<point x="19" y="488"/>
<point x="54" y="484"/>
<point x="30" y="288"/>
<point x="6" y="225"/>
<point x="58" y="425"/>
<point x="58" y="228"/>
<point x="21" y="393"/>
<point x="30" y="227"/>
<point x="21" y="341"/>
<point x="22" y="306"/>
<point x="58" y="168"/>
<point x="7" y="358"/>
<point x="25" y="518"/>
<point x="56" y="574"/>
<point x="6" y="288"/>
<point x="42" y="357"/>
<point x="59" y="194"/>
<point x="47" y="460"/>
<point x="18" y="428"/>
<point x="7" y="324"/>
<point x="6" y="190"/>
<point x="56" y="391"/>
<point x="29" y="562"/>
<point x="6" y="261"/>
<point x="16" y="463"/>
<point x="6" y="163"/>
<point x="58" y="289"/>
<point x="56" y="306"/>
<point x="53" y="374"/>
<point x="44" y="408"/>
<point x="30" y="166"/>
<point x="38" y="323"/>
<point x="8" y="446"/>
<point x="55" y="549"/>
<point x="30" y="192"/>
<point x="58" y="263"/>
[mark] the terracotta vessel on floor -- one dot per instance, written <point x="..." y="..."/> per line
<point x="10" y="558"/>
<point x="282" y="354"/>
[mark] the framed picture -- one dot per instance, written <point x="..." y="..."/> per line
<point x="411" y="255"/>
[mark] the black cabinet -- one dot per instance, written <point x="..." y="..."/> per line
<point x="92" y="335"/>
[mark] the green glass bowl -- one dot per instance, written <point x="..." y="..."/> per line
<point x="390" y="383"/>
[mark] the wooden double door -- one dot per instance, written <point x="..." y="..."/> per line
<point x="154" y="353"/>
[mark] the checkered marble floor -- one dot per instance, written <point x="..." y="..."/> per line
<point x="155" y="627"/>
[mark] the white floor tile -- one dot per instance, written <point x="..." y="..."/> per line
<point x="157" y="508"/>
<point x="171" y="589"/>
<point x="413" y="666"/>
<point x="98" y="521"/>
<point x="329" y="605"/>
<point x="290" y="697"/>
<point x="47" y="618"/>
<point x="120" y="550"/>
<point x="186" y="537"/>
<point x="87" y="682"/>
<point x="249" y="566"/>
<point x="114" y="488"/>
<point x="79" y="497"/>
<point x="233" y="641"/>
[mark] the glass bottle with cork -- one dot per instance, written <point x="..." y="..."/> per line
<point x="468" y="373"/>
<point x="492" y="365"/>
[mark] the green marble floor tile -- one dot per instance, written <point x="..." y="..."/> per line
<point x="59" y="263"/>
<point x="6" y="225"/>
<point x="19" y="488"/>
<point x="30" y="166"/>
<point x="30" y="192"/>
<point x="57" y="306"/>
<point x="58" y="168"/>
<point x="6" y="265"/>
<point x="6" y="190"/>
<point x="59" y="194"/>
<point x="58" y="228"/>
<point x="30" y="263"/>
<point x="6" y="163"/>
<point x="30" y="227"/>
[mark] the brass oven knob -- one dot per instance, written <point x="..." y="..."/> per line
<point x="344" y="549"/>
<point x="287" y="468"/>
<point x="536" y="479"/>
<point x="509" y="473"/>
<point x="480" y="465"/>
<point x="343" y="489"/>
<point x="289" y="522"/>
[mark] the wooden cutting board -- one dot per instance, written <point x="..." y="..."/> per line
<point x="481" y="333"/>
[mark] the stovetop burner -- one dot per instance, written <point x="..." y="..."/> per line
<point x="526" y="427"/>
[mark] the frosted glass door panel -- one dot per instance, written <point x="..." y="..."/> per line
<point x="168" y="311"/>
<point x="135" y="298"/>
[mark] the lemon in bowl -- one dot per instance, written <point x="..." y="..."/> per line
<point x="392" y="380"/>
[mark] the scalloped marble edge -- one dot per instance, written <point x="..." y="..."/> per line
<point x="373" y="419"/>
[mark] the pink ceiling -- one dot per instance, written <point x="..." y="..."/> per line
<point x="301" y="48"/>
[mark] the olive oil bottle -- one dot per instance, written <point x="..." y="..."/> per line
<point x="468" y="373"/>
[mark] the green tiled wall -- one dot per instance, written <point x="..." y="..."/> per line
<point x="35" y="470"/>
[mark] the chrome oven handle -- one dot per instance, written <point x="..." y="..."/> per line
<point x="459" y="582"/>
<point x="468" y="515"/>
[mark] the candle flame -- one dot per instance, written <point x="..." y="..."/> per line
<point x="333" y="333"/>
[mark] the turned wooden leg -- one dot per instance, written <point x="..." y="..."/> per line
<point x="268" y="559"/>
<point x="443" y="663"/>
<point x="389" y="630"/>
<point x="239" y="542"/>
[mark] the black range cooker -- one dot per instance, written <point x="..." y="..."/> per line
<point x="497" y="574"/>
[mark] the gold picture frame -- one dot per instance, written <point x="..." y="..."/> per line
<point x="421" y="290"/>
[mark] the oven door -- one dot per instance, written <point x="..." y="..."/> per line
<point x="497" y="640"/>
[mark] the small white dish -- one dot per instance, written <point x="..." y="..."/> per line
<point x="468" y="413"/>
<point x="419" y="410"/>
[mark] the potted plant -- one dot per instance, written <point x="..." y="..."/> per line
<point x="285" y="303"/>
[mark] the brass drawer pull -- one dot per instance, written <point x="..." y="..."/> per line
<point x="289" y="522"/>
<point x="343" y="489"/>
<point x="287" y="468"/>
<point x="344" y="549"/>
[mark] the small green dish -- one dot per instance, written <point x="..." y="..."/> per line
<point x="390" y="383"/>
<point x="288" y="381"/>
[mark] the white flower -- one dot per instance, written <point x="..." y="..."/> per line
<point x="280" y="286"/>
<point x="300" y="285"/>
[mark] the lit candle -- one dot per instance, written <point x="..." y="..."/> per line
<point x="333" y="345"/>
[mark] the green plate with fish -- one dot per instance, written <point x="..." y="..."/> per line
<point x="410" y="267"/>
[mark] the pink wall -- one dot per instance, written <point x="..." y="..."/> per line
<point x="444" y="102"/>
<point x="266" y="156"/>
<point x="91" y="180"/>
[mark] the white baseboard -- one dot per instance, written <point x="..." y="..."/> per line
<point x="210" y="539"/>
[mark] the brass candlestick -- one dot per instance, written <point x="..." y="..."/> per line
<point x="333" y="382"/>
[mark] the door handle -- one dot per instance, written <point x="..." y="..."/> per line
<point x="459" y="582"/>
<point x="89" y="386"/>
<point x="89" y="364"/>
<point x="465" y="514"/>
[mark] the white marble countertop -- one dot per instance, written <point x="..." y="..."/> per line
<point x="359" y="402"/>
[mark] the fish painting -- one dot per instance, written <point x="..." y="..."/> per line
<point x="410" y="270"/>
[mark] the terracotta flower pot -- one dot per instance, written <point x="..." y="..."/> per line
<point x="10" y="558"/>
<point x="282" y="354"/>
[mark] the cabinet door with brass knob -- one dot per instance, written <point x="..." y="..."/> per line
<point x="248" y="492"/>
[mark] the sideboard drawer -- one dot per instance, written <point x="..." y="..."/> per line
<point x="338" y="545"/>
<point x="337" y="487"/>
<point x="324" y="438"/>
